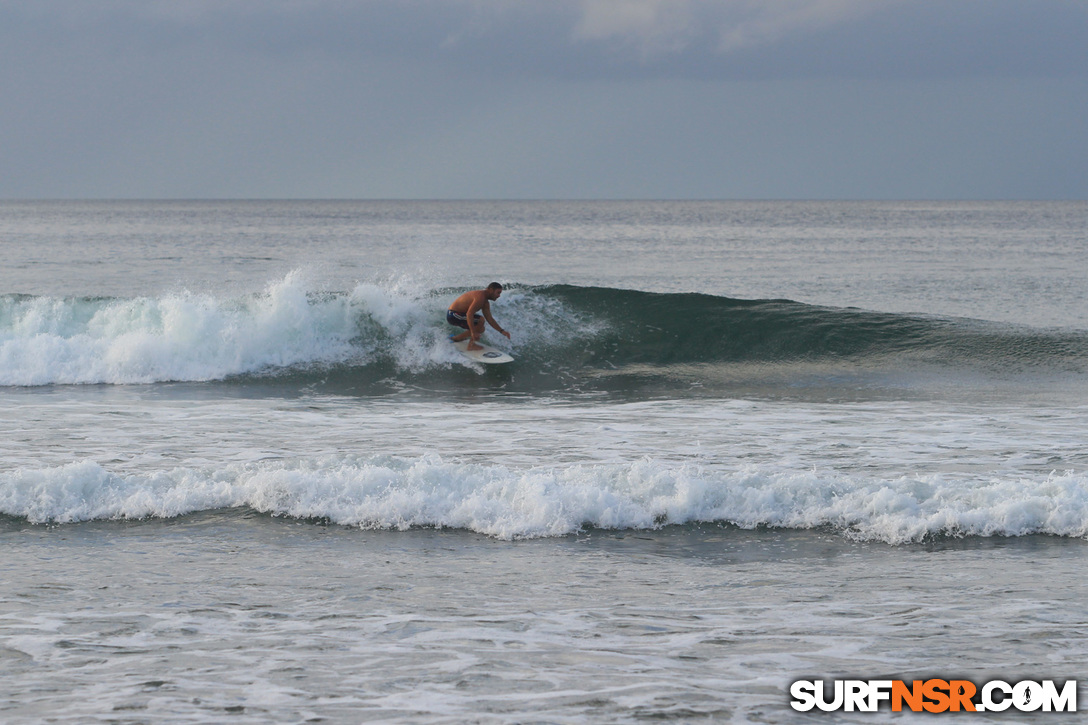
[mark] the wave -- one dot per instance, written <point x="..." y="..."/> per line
<point x="564" y="336"/>
<point x="504" y="502"/>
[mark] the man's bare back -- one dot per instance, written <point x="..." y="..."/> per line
<point x="466" y="311"/>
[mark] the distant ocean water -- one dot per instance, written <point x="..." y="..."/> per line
<point x="245" y="478"/>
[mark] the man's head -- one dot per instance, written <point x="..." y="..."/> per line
<point x="494" y="290"/>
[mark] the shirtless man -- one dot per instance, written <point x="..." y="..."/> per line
<point x="467" y="307"/>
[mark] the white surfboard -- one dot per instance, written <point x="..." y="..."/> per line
<point x="488" y="355"/>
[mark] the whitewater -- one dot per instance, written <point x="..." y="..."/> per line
<point x="548" y="502"/>
<point x="245" y="478"/>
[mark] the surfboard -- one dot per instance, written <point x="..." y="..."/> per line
<point x="487" y="355"/>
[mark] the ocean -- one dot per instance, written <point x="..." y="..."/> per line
<point x="245" y="479"/>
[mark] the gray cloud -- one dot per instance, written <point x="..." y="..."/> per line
<point x="724" y="39"/>
<point x="565" y="98"/>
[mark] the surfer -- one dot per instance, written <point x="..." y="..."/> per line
<point x="469" y="306"/>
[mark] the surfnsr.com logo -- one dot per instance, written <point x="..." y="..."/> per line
<point x="934" y="695"/>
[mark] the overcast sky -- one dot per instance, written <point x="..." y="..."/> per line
<point x="724" y="99"/>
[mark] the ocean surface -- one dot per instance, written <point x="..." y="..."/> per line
<point x="245" y="479"/>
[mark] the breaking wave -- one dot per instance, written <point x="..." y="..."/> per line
<point x="562" y="336"/>
<point x="388" y="492"/>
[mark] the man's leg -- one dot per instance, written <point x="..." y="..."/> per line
<point x="478" y="323"/>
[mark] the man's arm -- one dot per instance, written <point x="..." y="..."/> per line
<point x="491" y="320"/>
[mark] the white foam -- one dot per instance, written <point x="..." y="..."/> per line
<point x="187" y="336"/>
<point x="505" y="502"/>
<point x="182" y="336"/>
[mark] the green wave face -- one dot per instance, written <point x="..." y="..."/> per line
<point x="665" y="329"/>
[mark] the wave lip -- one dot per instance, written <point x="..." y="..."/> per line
<point x="508" y="503"/>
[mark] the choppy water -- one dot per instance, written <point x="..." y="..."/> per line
<point x="244" y="478"/>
